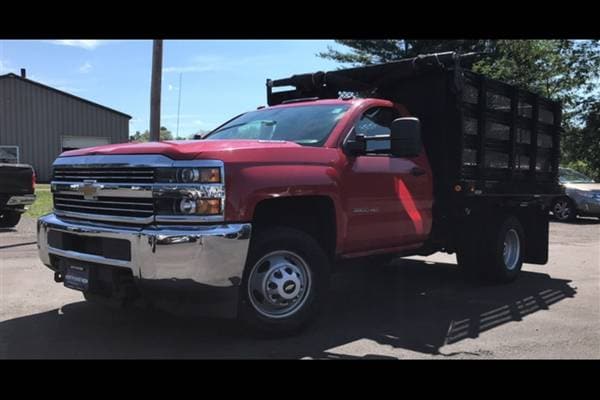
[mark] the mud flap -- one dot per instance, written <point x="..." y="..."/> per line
<point x="536" y="225"/>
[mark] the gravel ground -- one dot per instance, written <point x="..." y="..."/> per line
<point x="415" y="308"/>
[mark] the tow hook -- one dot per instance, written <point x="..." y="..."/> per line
<point x="58" y="277"/>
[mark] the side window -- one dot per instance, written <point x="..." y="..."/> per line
<point x="376" y="121"/>
<point x="9" y="154"/>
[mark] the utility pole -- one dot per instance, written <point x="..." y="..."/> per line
<point x="155" y="87"/>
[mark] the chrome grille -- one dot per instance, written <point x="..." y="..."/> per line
<point x="125" y="189"/>
<point x="113" y="203"/>
<point x="126" y="209"/>
<point x="104" y="174"/>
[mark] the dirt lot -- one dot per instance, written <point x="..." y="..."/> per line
<point x="414" y="308"/>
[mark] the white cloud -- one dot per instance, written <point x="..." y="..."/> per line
<point x="86" y="67"/>
<point x="218" y="63"/>
<point x="84" y="44"/>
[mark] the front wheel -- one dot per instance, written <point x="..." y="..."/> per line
<point x="285" y="279"/>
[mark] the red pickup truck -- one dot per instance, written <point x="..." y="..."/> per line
<point x="251" y="220"/>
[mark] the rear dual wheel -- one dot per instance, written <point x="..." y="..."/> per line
<point x="496" y="253"/>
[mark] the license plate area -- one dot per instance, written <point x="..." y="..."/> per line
<point x="77" y="277"/>
<point x="94" y="278"/>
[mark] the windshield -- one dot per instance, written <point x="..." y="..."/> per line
<point x="306" y="125"/>
<point x="569" y="175"/>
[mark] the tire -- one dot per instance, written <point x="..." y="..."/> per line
<point x="498" y="256"/>
<point x="505" y="251"/>
<point x="563" y="209"/>
<point x="285" y="280"/>
<point x="9" y="219"/>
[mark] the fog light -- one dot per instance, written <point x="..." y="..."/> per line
<point x="187" y="206"/>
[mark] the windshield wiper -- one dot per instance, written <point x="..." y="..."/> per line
<point x="265" y="122"/>
<point x="226" y="128"/>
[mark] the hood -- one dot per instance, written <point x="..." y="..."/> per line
<point x="184" y="149"/>
<point x="583" y="186"/>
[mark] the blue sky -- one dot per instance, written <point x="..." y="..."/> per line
<point x="220" y="78"/>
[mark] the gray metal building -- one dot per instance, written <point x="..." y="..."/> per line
<point x="38" y="122"/>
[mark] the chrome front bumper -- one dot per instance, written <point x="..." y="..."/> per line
<point x="202" y="256"/>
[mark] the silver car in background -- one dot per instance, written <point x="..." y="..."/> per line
<point x="582" y="196"/>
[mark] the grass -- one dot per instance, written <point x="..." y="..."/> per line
<point x="43" y="202"/>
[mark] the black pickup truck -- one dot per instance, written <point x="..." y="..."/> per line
<point x="17" y="185"/>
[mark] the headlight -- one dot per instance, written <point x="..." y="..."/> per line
<point x="188" y="175"/>
<point x="190" y="191"/>
<point x="189" y="206"/>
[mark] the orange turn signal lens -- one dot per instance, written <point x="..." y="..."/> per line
<point x="208" y="206"/>
<point x="210" y="175"/>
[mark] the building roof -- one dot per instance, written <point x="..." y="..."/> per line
<point x="11" y="75"/>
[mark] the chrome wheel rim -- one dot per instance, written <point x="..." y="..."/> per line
<point x="512" y="249"/>
<point x="279" y="284"/>
<point x="562" y="209"/>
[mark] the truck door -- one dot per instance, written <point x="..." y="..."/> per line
<point x="388" y="199"/>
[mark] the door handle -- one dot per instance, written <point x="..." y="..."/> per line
<point x="416" y="171"/>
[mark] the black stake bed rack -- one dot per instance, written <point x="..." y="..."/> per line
<point x="487" y="136"/>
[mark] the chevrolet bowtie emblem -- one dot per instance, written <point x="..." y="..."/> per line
<point x="89" y="189"/>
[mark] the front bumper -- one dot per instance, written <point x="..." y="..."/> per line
<point x="201" y="259"/>
<point x="25" y="200"/>
<point x="589" y="209"/>
<point x="587" y="206"/>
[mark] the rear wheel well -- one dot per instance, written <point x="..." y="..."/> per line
<point x="534" y="221"/>
<point x="314" y="215"/>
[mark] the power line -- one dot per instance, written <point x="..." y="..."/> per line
<point x="178" y="107"/>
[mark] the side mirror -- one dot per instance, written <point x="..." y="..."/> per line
<point x="356" y="147"/>
<point x="406" y="137"/>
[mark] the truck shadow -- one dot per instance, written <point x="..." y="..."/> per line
<point x="412" y="305"/>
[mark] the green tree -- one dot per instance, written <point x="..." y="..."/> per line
<point x="138" y="136"/>
<point x="362" y="52"/>
<point x="563" y="70"/>
<point x="582" y="144"/>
